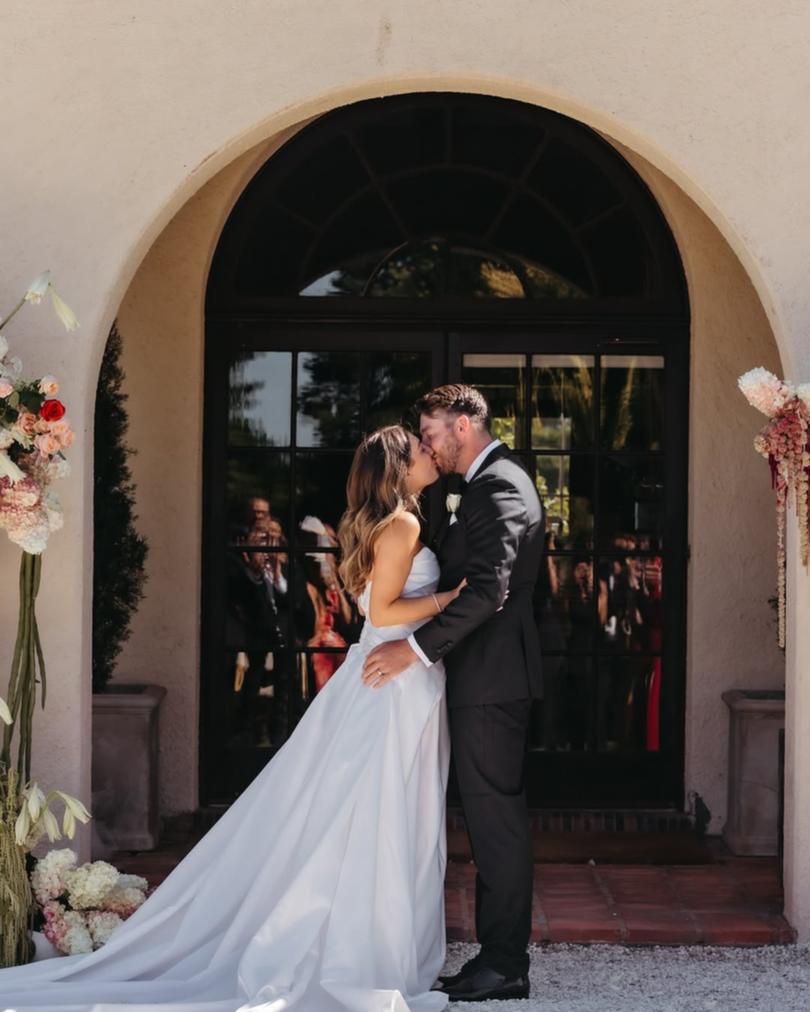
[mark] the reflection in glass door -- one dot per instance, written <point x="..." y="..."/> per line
<point x="280" y="621"/>
<point x="591" y="428"/>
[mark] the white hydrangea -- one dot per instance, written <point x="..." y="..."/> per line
<point x="101" y="924"/>
<point x="764" y="391"/>
<point x="131" y="882"/>
<point x="124" y="900"/>
<point x="803" y="393"/>
<point x="77" y="939"/>
<point x="53" y="511"/>
<point x="48" y="876"/>
<point x="89" y="885"/>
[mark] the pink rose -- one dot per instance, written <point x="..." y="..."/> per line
<point x="47" y="444"/>
<point x="62" y="431"/>
<point x="5" y="388"/>
<point x="48" y="386"/>
<point x="27" y="423"/>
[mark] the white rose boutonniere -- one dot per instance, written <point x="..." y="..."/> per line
<point x="452" y="502"/>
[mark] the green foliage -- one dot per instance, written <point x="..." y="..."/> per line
<point x="119" y="552"/>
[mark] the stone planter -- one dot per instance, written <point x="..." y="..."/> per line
<point x="752" y="824"/>
<point x="125" y="767"/>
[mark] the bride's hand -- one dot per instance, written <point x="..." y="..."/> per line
<point x="447" y="596"/>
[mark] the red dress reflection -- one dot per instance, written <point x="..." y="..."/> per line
<point x="652" y="574"/>
<point x="328" y="605"/>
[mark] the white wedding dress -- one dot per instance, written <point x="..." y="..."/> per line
<point x="321" y="889"/>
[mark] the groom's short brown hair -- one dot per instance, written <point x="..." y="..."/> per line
<point x="456" y="399"/>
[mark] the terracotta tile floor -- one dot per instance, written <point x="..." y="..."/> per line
<point x="733" y="901"/>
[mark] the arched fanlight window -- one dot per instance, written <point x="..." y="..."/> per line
<point x="445" y="196"/>
<point x="436" y="267"/>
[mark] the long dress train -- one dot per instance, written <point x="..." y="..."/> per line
<point x="319" y="890"/>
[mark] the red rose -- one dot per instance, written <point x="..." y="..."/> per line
<point x="52" y="410"/>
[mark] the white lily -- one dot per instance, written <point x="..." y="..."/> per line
<point x="68" y="823"/>
<point x="63" y="310"/>
<point x="8" y="469"/>
<point x="51" y="825"/>
<point x="22" y="826"/>
<point x="37" y="288"/>
<point x="5" y="713"/>
<point x="75" y="807"/>
<point x="36" y="801"/>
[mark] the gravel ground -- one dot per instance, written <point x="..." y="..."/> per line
<point x="698" y="978"/>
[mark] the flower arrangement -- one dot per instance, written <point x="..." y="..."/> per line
<point x="785" y="443"/>
<point x="81" y="906"/>
<point x="34" y="432"/>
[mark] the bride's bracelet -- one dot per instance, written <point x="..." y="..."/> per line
<point x="439" y="608"/>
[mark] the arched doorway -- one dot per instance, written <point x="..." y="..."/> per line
<point x="399" y="243"/>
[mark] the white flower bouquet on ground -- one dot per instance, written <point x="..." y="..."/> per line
<point x="81" y="906"/>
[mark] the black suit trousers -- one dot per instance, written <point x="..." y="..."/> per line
<point x="489" y="751"/>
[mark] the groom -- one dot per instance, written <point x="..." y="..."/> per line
<point x="491" y="649"/>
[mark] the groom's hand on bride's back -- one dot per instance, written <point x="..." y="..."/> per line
<point x="386" y="661"/>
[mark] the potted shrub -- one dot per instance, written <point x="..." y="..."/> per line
<point x="125" y="715"/>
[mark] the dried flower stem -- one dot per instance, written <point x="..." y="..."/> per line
<point x="16" y="898"/>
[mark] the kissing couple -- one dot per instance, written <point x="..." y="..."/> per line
<point x="321" y="889"/>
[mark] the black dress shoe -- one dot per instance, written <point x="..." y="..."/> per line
<point x="484" y="984"/>
<point x="453" y="978"/>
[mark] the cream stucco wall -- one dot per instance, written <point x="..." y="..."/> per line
<point x="161" y="321"/>
<point x="113" y="118"/>
<point x="731" y="632"/>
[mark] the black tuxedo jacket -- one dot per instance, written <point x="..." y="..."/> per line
<point x="487" y="636"/>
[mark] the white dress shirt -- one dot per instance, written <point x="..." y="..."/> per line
<point x="471" y="472"/>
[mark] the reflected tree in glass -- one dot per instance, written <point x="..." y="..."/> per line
<point x="328" y="398"/>
<point x="562" y="401"/>
<point x="259" y="398"/>
<point x="632" y="402"/>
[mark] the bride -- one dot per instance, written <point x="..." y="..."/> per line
<point x="321" y="888"/>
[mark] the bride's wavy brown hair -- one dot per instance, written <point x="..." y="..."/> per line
<point x="376" y="495"/>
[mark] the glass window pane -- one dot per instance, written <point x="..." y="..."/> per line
<point x="257" y="494"/>
<point x="632" y="402"/>
<point x="326" y="617"/>
<point x="500" y="380"/>
<point x="564" y="604"/>
<point x="631" y="494"/>
<point x="251" y="710"/>
<point x="256" y="597"/>
<point x="320" y="493"/>
<point x="562" y="401"/>
<point x="630" y="603"/>
<point x="328" y="398"/>
<point x="565" y="486"/>
<point x="565" y="718"/>
<point x="413" y="272"/>
<point x="259" y="399"/>
<point x="395" y="380"/>
<point x="478" y="275"/>
<point x="628" y="704"/>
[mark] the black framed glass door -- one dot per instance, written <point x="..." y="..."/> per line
<point x="598" y="422"/>
<point x="287" y="409"/>
<point x="595" y="420"/>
